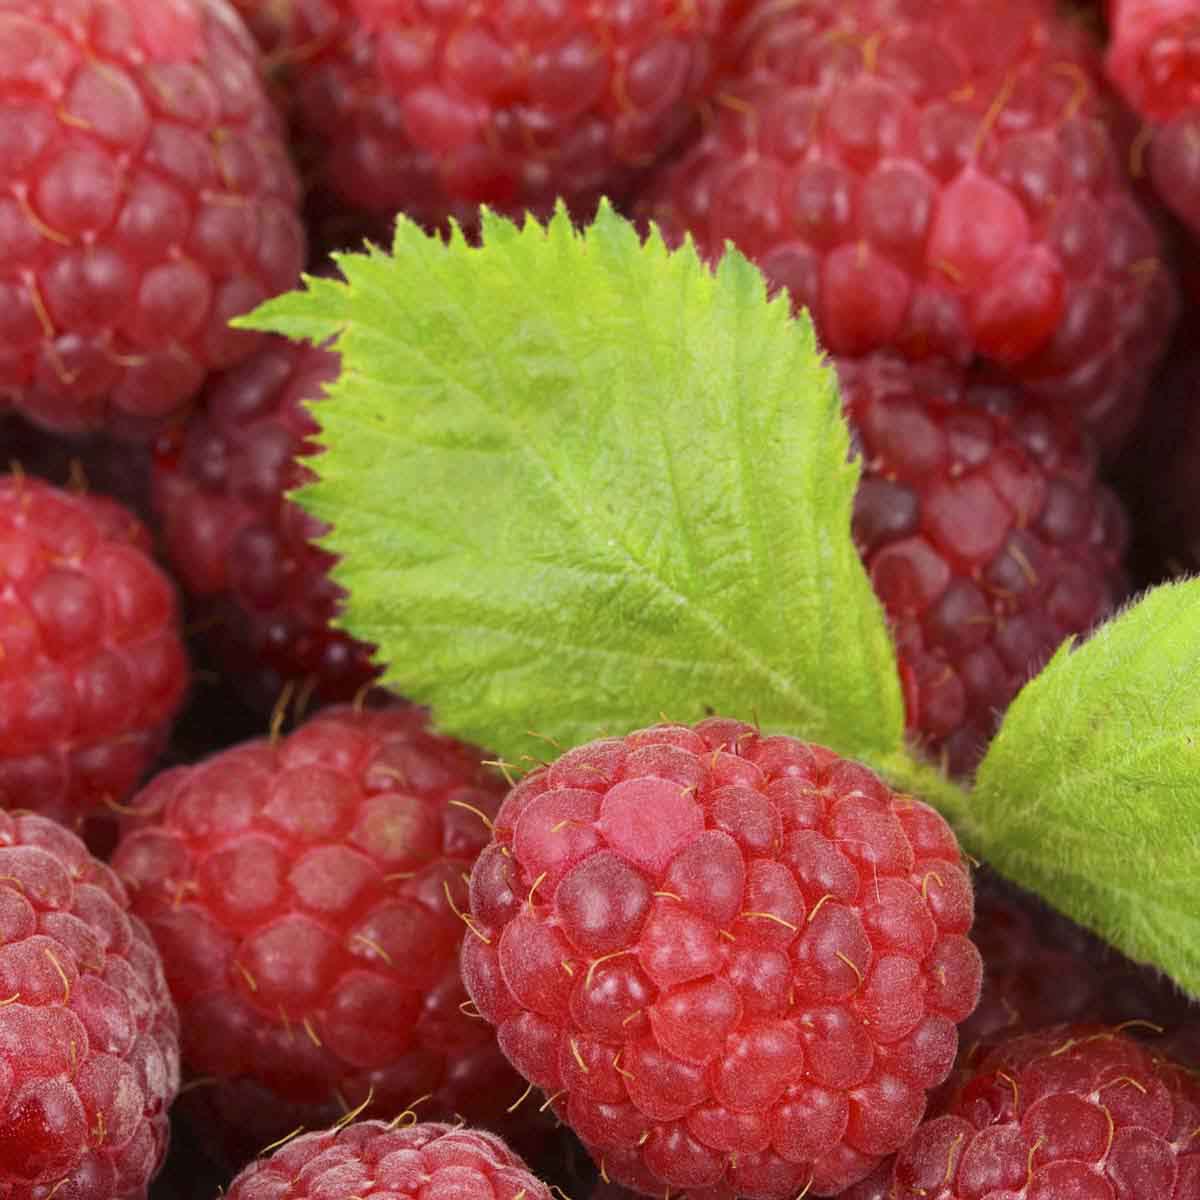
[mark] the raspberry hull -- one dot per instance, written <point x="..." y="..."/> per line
<point x="988" y="537"/>
<point x="303" y="892"/>
<point x="93" y="669"/>
<point x="146" y="197"/>
<point x="89" y="1036"/>
<point x="734" y="962"/>
<point x="245" y="553"/>
<point x="938" y="180"/>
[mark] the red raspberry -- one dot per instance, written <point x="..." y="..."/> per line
<point x="735" y="962"/>
<point x="1154" y="55"/>
<point x="939" y="180"/>
<point x="1154" y="59"/>
<point x="89" y="1041"/>
<point x="244" y="551"/>
<point x="434" y="108"/>
<point x="422" y="1162"/>
<point x="304" y="893"/>
<point x="987" y="536"/>
<point x="92" y="670"/>
<point x="1075" y="1111"/>
<point x="145" y="198"/>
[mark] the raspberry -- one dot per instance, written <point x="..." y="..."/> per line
<point x="735" y="962"/>
<point x="244" y="551"/>
<point x="434" y="109"/>
<point x="89" y="1045"/>
<point x="92" y="668"/>
<point x="1041" y="969"/>
<point x="1154" y="55"/>
<point x="939" y="180"/>
<point x="1075" y="1111"/>
<point x="146" y="197"/>
<point x="427" y="1161"/>
<point x="1154" y="60"/>
<point x="304" y="893"/>
<point x="987" y="536"/>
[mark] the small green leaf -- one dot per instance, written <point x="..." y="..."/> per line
<point x="578" y="481"/>
<point x="1090" y="793"/>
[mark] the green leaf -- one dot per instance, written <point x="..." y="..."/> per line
<point x="578" y="481"/>
<point x="1090" y="793"/>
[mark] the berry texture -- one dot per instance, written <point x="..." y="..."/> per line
<point x="92" y="666"/>
<point x="426" y="1161"/>
<point x="146" y="197"/>
<point x="1154" y="55"/>
<point x="434" y="109"/>
<point x="89" y="1044"/>
<point x="938" y="180"/>
<point x="734" y="962"/>
<point x="987" y="536"/>
<point x="304" y="892"/>
<point x="1154" y="60"/>
<point x="1076" y="1112"/>
<point x="244" y="552"/>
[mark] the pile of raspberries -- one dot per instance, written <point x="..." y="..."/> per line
<point x="264" y="930"/>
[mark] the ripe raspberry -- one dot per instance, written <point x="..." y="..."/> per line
<point x="987" y="536"/>
<point x="303" y="891"/>
<point x="734" y="961"/>
<point x="89" y="1062"/>
<point x="427" y="1161"/>
<point x="433" y="109"/>
<point x="145" y="198"/>
<point x="1154" y="60"/>
<point x="1075" y="1111"/>
<point x="245" y="552"/>
<point x="92" y="667"/>
<point x="1154" y="55"/>
<point x="939" y="180"/>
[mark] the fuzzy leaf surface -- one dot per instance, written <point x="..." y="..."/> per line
<point x="577" y="481"/>
<point x="1090" y="794"/>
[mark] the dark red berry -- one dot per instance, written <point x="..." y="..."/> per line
<point x="246" y="553"/>
<point x="987" y="535"/>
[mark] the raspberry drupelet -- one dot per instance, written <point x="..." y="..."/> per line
<point x="92" y="665"/>
<point x="304" y="891"/>
<point x="245" y="553"/>
<point x="987" y="534"/>
<point x="733" y="962"/>
<point x="146" y="197"/>
<point x="89" y="1038"/>
<point x="427" y="1161"/>
<point x="940" y="180"/>
<point x="1077" y="1111"/>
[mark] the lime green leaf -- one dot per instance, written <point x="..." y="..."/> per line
<point x="1090" y="793"/>
<point x="578" y="481"/>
